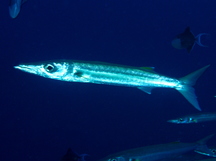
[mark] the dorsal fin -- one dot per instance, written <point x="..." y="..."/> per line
<point x="147" y="68"/>
<point x="187" y="30"/>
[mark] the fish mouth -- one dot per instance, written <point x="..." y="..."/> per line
<point x="27" y="68"/>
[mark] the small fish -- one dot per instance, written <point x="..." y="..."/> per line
<point x="72" y="156"/>
<point x="187" y="40"/>
<point x="161" y="151"/>
<point x="195" y="118"/>
<point x="14" y="7"/>
<point x="143" y="78"/>
<point x="212" y="159"/>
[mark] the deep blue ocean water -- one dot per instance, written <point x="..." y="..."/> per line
<point x="40" y="118"/>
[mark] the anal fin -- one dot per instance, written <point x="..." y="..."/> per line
<point x="146" y="89"/>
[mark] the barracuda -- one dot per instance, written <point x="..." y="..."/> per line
<point x="194" y="118"/>
<point x="162" y="151"/>
<point x="143" y="78"/>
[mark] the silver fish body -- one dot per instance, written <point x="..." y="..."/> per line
<point x="110" y="74"/>
<point x="161" y="151"/>
<point x="101" y="73"/>
<point x="195" y="118"/>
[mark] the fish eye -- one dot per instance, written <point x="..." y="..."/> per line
<point x="213" y="151"/>
<point x="50" y="68"/>
<point x="181" y="119"/>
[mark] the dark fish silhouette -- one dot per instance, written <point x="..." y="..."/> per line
<point x="14" y="7"/>
<point x="187" y="40"/>
<point x="72" y="156"/>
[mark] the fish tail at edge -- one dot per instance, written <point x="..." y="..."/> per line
<point x="203" y="149"/>
<point x="188" y="91"/>
<point x="198" y="39"/>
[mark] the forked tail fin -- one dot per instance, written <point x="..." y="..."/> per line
<point x="188" y="91"/>
<point x="198" y="39"/>
<point x="202" y="147"/>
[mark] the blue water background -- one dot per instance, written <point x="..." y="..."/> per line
<point x="40" y="118"/>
